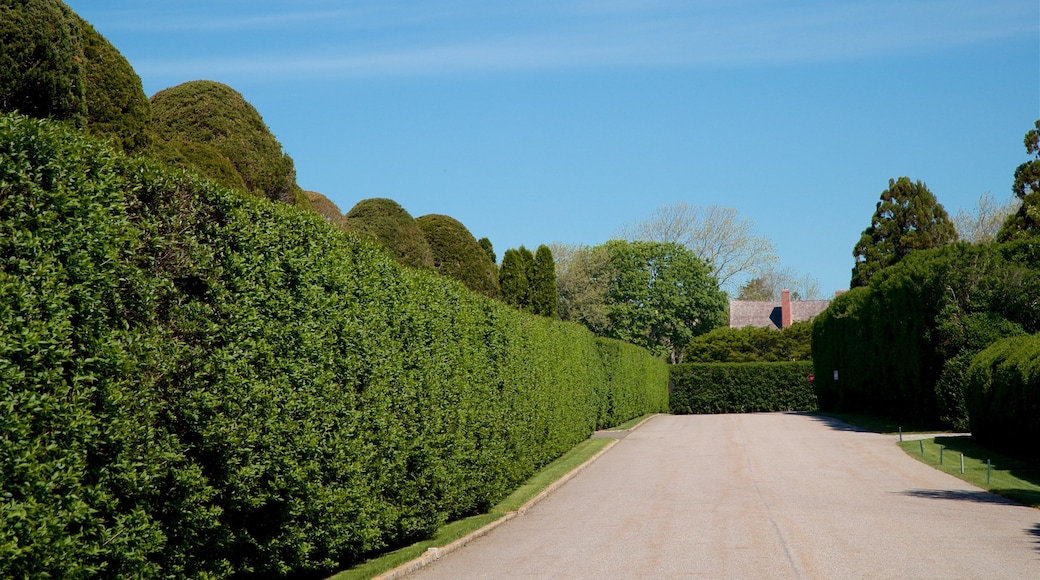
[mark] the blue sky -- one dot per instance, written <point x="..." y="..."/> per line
<point x="562" y="121"/>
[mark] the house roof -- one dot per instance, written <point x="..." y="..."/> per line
<point x="768" y="313"/>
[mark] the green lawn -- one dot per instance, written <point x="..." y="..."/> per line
<point x="455" y="530"/>
<point x="1015" y="479"/>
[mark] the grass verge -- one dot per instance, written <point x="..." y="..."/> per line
<point x="455" y="530"/>
<point x="1015" y="479"/>
<point x="629" y="424"/>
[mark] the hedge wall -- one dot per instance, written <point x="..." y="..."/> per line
<point x="741" y="387"/>
<point x="1003" y="395"/>
<point x="196" y="383"/>
<point x="900" y="345"/>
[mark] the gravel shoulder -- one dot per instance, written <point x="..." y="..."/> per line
<point x="757" y="496"/>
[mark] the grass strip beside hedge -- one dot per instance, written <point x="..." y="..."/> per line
<point x="1015" y="479"/>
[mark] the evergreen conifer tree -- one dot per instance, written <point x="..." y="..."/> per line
<point x="513" y="284"/>
<point x="544" y="299"/>
<point x="907" y="218"/>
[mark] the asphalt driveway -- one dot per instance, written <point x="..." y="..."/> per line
<point x="757" y="496"/>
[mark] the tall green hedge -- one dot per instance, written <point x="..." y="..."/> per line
<point x="741" y="387"/>
<point x="1003" y="395"/>
<point x="198" y="383"/>
<point x="900" y="344"/>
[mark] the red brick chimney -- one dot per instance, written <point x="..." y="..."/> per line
<point x="785" y="308"/>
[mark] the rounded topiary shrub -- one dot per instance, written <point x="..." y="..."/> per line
<point x="457" y="254"/>
<point x="386" y="222"/>
<point x="214" y="114"/>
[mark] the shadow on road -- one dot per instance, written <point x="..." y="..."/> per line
<point x="1035" y="532"/>
<point x="960" y="495"/>
<point x="833" y="423"/>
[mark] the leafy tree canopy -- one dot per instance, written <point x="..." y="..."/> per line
<point x="907" y="218"/>
<point x="661" y="296"/>
<point x="752" y="344"/>
<point x="389" y="224"/>
<point x="214" y="114"/>
<point x="457" y="254"/>
<point x="583" y="278"/>
<point x="716" y="234"/>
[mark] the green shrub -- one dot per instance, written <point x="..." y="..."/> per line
<point x="216" y="115"/>
<point x="1003" y="395"/>
<point x="741" y="387"/>
<point x="117" y="107"/>
<point x="896" y="343"/>
<point x="41" y="56"/>
<point x="391" y="226"/>
<point x="752" y="344"/>
<point x="55" y="65"/>
<point x="198" y="383"/>
<point x="457" y="254"/>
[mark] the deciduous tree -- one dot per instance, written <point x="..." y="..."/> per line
<point x="982" y="224"/>
<point x="661" y="296"/>
<point x="716" y="234"/>
<point x="583" y="277"/>
<point x="907" y="218"/>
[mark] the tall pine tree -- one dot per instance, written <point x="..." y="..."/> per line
<point x="907" y="218"/>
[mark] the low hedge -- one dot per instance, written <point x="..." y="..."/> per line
<point x="197" y="383"/>
<point x="1002" y="393"/>
<point x="741" y="387"/>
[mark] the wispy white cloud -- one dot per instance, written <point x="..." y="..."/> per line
<point x="461" y="36"/>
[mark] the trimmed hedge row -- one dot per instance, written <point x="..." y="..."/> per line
<point x="1003" y="395"/>
<point x="741" y="387"/>
<point x="195" y="383"/>
<point x="633" y="381"/>
<point x="901" y="345"/>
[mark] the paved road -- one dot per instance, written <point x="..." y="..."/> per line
<point x="757" y="496"/>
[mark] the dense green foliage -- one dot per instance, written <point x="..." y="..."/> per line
<point x="41" y="55"/>
<point x="528" y="281"/>
<point x="197" y="383"/>
<point x="117" y="107"/>
<point x="1003" y="395"/>
<point x="514" y="287"/>
<point x="55" y="65"/>
<point x="214" y="114"/>
<point x="393" y="228"/>
<point x="633" y="383"/>
<point x="485" y="244"/>
<point x="752" y="344"/>
<point x="895" y="343"/>
<point x="544" y="297"/>
<point x="908" y="218"/>
<point x="741" y="387"/>
<point x="583" y="279"/>
<point x="661" y="296"/>
<point x="457" y="254"/>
